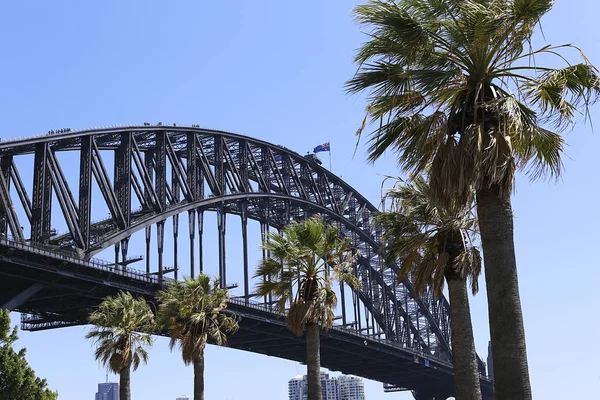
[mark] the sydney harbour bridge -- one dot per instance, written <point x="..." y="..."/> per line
<point x="145" y="179"/>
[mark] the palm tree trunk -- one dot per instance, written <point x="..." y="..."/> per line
<point x="313" y="361"/>
<point x="466" y="372"/>
<point x="125" y="384"/>
<point x="199" y="377"/>
<point x="509" y="353"/>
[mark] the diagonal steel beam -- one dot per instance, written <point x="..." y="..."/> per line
<point x="106" y="188"/>
<point x="22" y="297"/>
<point x="8" y="215"/>
<point x="21" y="190"/>
<point x="65" y="198"/>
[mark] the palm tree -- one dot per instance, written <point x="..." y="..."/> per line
<point x="458" y="85"/>
<point x="193" y="311"/>
<point x="435" y="244"/>
<point x="303" y="261"/>
<point x="122" y="323"/>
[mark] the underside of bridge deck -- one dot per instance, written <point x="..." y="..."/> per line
<point x="66" y="293"/>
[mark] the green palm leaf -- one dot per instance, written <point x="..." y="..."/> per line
<point x="193" y="311"/>
<point x="121" y="332"/>
<point x="304" y="259"/>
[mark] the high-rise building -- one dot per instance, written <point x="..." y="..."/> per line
<point x="108" y="391"/>
<point x="182" y="397"/>
<point x="343" y="387"/>
<point x="329" y="387"/>
<point x="490" y="362"/>
<point x="351" y="388"/>
<point x="295" y="388"/>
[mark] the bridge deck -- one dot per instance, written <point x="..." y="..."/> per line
<point x="72" y="287"/>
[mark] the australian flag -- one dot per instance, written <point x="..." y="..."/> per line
<point x="322" y="147"/>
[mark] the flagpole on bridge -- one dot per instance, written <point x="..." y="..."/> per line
<point x="330" y="160"/>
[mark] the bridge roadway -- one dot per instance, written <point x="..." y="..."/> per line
<point x="37" y="282"/>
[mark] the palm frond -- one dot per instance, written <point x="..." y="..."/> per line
<point x="447" y="83"/>
<point x="431" y="242"/>
<point x="299" y="278"/>
<point x="121" y="332"/>
<point x="194" y="310"/>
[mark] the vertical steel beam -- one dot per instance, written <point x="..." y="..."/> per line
<point x="160" y="163"/>
<point x="148" y="177"/>
<point x="200" y="232"/>
<point x="117" y="251"/>
<point x="343" y="298"/>
<point x="192" y="231"/>
<point x="265" y="168"/>
<point x="124" y="250"/>
<point x="263" y="237"/>
<point x="244" y="160"/>
<point x="397" y="323"/>
<point x="160" y="239"/>
<point x="85" y="189"/>
<point x="384" y="298"/>
<point x="175" y="236"/>
<point x="42" y="195"/>
<point x="176" y="190"/>
<point x="148" y="240"/>
<point x="122" y="173"/>
<point x="221" y="220"/>
<point x="192" y="166"/>
<point x="219" y="164"/>
<point x="245" y="251"/>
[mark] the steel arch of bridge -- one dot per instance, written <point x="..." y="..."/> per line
<point x="169" y="171"/>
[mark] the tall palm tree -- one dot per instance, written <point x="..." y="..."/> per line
<point x="193" y="311"/>
<point x="122" y="323"/>
<point x="458" y="85"/>
<point x="435" y="244"/>
<point x="303" y="261"/>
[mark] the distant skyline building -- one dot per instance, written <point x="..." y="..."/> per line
<point x="490" y="362"/>
<point x="343" y="387"/>
<point x="108" y="391"/>
<point x="351" y="388"/>
<point x="183" y="397"/>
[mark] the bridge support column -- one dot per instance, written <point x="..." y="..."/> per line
<point x="245" y="251"/>
<point x="160" y="238"/>
<point x="175" y="235"/>
<point x="200" y="231"/>
<point x="343" y="298"/>
<point x="22" y="297"/>
<point x="124" y="251"/>
<point x="148" y="239"/>
<point x="263" y="235"/>
<point x="221" y="220"/>
<point x="117" y="251"/>
<point x="42" y="196"/>
<point x="192" y="230"/>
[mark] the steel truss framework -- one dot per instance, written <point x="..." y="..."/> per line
<point x="168" y="172"/>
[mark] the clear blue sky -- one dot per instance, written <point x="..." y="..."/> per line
<point x="275" y="70"/>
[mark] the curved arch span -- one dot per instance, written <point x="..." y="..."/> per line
<point x="163" y="171"/>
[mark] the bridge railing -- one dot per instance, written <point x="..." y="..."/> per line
<point x="91" y="263"/>
<point x="139" y="275"/>
<point x="368" y="339"/>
